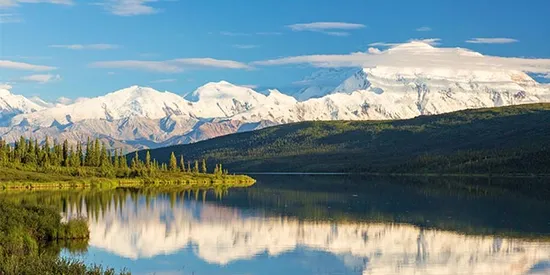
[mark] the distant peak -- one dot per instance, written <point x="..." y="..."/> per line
<point x="4" y="92"/>
<point x="221" y="83"/>
<point x="413" y="45"/>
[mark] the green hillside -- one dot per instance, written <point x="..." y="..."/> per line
<point x="503" y="140"/>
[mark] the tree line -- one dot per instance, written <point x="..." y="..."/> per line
<point x="29" y="154"/>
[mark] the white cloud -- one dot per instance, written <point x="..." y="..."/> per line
<point x="167" y="80"/>
<point x="41" y="78"/>
<point x="415" y="55"/>
<point x="430" y="41"/>
<point x="245" y="46"/>
<point x="424" y="29"/>
<point x="13" y="65"/>
<point x="330" y="28"/>
<point x="14" y="3"/>
<point x="129" y="7"/>
<point x="251" y="86"/>
<point x="5" y="86"/>
<point x="171" y="66"/>
<point x="211" y="62"/>
<point x="87" y="47"/>
<point x="10" y="18"/>
<point x="153" y="66"/>
<point x="374" y="51"/>
<point x="492" y="40"/>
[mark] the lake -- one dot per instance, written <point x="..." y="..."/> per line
<point x="319" y="224"/>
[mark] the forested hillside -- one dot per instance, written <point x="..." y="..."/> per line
<point x="513" y="139"/>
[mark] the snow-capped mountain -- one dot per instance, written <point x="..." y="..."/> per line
<point x="141" y="117"/>
<point x="11" y="105"/>
<point x="321" y="82"/>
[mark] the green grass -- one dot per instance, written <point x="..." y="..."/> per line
<point x="26" y="230"/>
<point x="11" y="178"/>
<point x="511" y="140"/>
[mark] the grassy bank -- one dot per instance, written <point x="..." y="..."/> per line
<point x="26" y="232"/>
<point x="12" y="178"/>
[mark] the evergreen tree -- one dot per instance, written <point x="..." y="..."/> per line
<point x="88" y="157"/>
<point x="182" y="164"/>
<point x="116" y="160"/>
<point x="148" y="160"/>
<point x="65" y="153"/>
<point x="196" y="167"/>
<point x="203" y="166"/>
<point x="173" y="162"/>
<point x="97" y="153"/>
<point x="80" y="154"/>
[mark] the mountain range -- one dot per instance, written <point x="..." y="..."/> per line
<point x="142" y="117"/>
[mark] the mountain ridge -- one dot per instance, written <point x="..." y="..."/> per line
<point x="140" y="117"/>
<point x="504" y="140"/>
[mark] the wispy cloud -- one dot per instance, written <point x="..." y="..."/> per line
<point x="129" y="7"/>
<point x="250" y="86"/>
<point x="417" y="54"/>
<point x="99" y="47"/>
<point x="6" y="18"/>
<point x="171" y="66"/>
<point x="424" y="29"/>
<point x="166" y="80"/>
<point x="15" y="3"/>
<point x="330" y="28"/>
<point x="430" y="41"/>
<point x="41" y="78"/>
<point x="492" y="40"/>
<point x="245" y="46"/>
<point x="5" y="86"/>
<point x="228" y="33"/>
<point x="13" y="65"/>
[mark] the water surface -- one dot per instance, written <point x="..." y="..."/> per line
<point x="323" y="224"/>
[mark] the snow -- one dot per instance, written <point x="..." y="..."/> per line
<point x="378" y="92"/>
<point x="11" y="104"/>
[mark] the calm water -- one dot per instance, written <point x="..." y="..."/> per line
<point x="321" y="225"/>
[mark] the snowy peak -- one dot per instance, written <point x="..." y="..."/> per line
<point x="134" y="101"/>
<point x="11" y="104"/>
<point x="223" y="99"/>
<point x="359" y="81"/>
<point x="223" y="90"/>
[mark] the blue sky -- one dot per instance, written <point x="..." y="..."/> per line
<point x="76" y="48"/>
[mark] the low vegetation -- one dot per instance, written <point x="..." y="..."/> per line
<point x="512" y="140"/>
<point x="27" y="232"/>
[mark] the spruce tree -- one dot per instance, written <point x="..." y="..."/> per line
<point x="196" y="167"/>
<point x="182" y="164"/>
<point x="148" y="160"/>
<point x="66" y="153"/>
<point x="203" y="166"/>
<point x="173" y="162"/>
<point x="88" y="157"/>
<point x="80" y="154"/>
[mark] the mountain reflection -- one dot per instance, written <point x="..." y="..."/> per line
<point x="139" y="228"/>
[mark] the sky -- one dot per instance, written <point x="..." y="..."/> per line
<point x="76" y="48"/>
